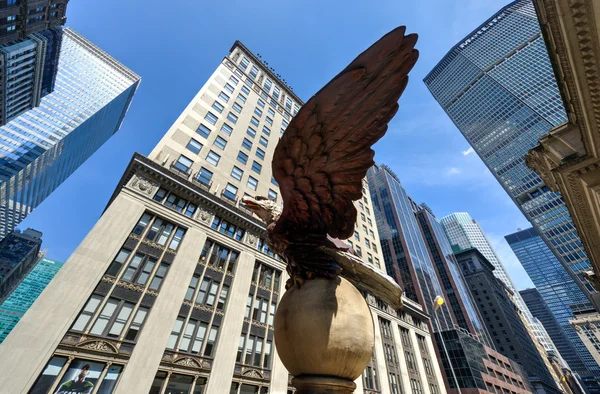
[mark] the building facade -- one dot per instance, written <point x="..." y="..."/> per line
<point x="558" y="292"/>
<point x="587" y="326"/>
<point x="20" y="18"/>
<point x="40" y="148"/>
<point x="503" y="321"/>
<point x="19" y="301"/>
<point x="28" y="72"/>
<point x="176" y="218"/>
<point x="19" y="253"/>
<point x="567" y="157"/>
<point x="506" y="59"/>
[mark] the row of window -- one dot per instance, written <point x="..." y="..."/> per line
<point x="159" y="231"/>
<point x="195" y="338"/>
<point x="254" y="351"/>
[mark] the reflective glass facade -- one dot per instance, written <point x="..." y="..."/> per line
<point x="15" y="306"/>
<point x="43" y="146"/>
<point x="559" y="292"/>
<point x="498" y="87"/>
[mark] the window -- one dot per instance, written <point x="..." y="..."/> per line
<point x="256" y="167"/>
<point x="136" y="324"/>
<point x="257" y="111"/>
<point x="263" y="141"/>
<point x="261" y="104"/>
<point x="247" y="144"/>
<point x="220" y="143"/>
<point x="86" y="313"/>
<point x="288" y="103"/>
<point x="176" y="239"/>
<point x="284" y="124"/>
<point x="358" y="250"/>
<point x="217" y="106"/>
<point x="242" y="98"/>
<point x="204" y="176"/>
<point x="281" y="131"/>
<point x="11" y="17"/>
<point x="175" y="202"/>
<point x="139" y="269"/>
<point x="365" y="229"/>
<point x="264" y="95"/>
<point x="362" y="216"/>
<point x="269" y="121"/>
<point x="286" y="115"/>
<point x="237" y="173"/>
<point x="266" y="130"/>
<point x="183" y="164"/>
<point x="356" y="236"/>
<point x="12" y="28"/>
<point x="272" y="194"/>
<point x="117" y="263"/>
<point x="234" y="80"/>
<point x="229" y="88"/>
<point x="254" y="72"/>
<point x="232" y="117"/>
<point x="190" y="210"/>
<point x="213" y="158"/>
<point x="211" y="118"/>
<point x="268" y="84"/>
<point x="276" y="92"/>
<point x="112" y="319"/>
<point x="260" y="153"/>
<point x="296" y="109"/>
<point x="274" y="181"/>
<point x="237" y="108"/>
<point x="271" y="112"/>
<point x="194" y="146"/>
<point x="219" y="256"/>
<point x="249" y="82"/>
<point x="226" y="129"/>
<point x="141" y="225"/>
<point x="254" y="121"/>
<point x="251" y="132"/>
<point x="252" y="183"/>
<point x="244" y="63"/>
<point x="371" y="234"/>
<point x="230" y="191"/>
<point x="242" y="157"/>
<point x="203" y="131"/>
<point x="160" y="231"/>
<point x="229" y="229"/>
<point x="193" y="337"/>
<point x="245" y="90"/>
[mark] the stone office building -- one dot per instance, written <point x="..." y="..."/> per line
<point x="174" y="289"/>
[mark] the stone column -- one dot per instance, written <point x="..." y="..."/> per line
<point x="33" y="341"/>
<point x="435" y="364"/>
<point x="279" y="374"/>
<point x="231" y="327"/>
<point x="150" y="347"/>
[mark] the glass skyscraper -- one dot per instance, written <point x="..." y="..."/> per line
<point x="19" y="301"/>
<point x="43" y="146"/>
<point x="559" y="292"/>
<point x="498" y="87"/>
<point x="409" y="235"/>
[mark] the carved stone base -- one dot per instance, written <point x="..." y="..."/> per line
<point x="313" y="384"/>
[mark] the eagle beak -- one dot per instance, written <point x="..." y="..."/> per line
<point x="250" y="202"/>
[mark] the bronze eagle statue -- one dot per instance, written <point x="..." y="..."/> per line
<point x="322" y="159"/>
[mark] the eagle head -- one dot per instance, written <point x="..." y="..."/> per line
<point x="265" y="208"/>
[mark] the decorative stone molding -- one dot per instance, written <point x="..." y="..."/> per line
<point x="252" y="373"/>
<point x="188" y="362"/>
<point x="143" y="185"/>
<point x="130" y="286"/>
<point x="204" y="215"/>
<point x="251" y="239"/>
<point x="99" y="346"/>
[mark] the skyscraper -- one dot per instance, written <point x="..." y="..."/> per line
<point x="503" y="320"/>
<point x="559" y="293"/>
<point x="21" y="18"/>
<point x="19" y="253"/>
<point x="498" y="87"/>
<point x="417" y="254"/>
<point x="43" y="146"/>
<point x="19" y="301"/>
<point x="175" y="288"/>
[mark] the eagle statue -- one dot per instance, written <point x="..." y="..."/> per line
<point x="321" y="161"/>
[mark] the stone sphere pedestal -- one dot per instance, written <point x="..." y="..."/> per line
<point x="324" y="335"/>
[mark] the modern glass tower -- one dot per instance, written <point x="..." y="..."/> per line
<point x="498" y="87"/>
<point x="19" y="301"/>
<point x="40" y="148"/>
<point x="558" y="291"/>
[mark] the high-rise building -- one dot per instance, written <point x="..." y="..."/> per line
<point x="19" y="301"/>
<point x="506" y="59"/>
<point x="20" y="18"/>
<point x="503" y="321"/>
<point x="417" y="254"/>
<point x="19" y="252"/>
<point x="465" y="233"/>
<point x="559" y="293"/>
<point x="29" y="68"/>
<point x="175" y="290"/>
<point x="43" y="146"/>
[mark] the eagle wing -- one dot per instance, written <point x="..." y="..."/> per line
<point x="325" y="152"/>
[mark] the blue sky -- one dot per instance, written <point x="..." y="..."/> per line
<point x="176" y="45"/>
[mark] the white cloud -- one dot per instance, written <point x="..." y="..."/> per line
<point x="468" y="151"/>
<point x="453" y="171"/>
